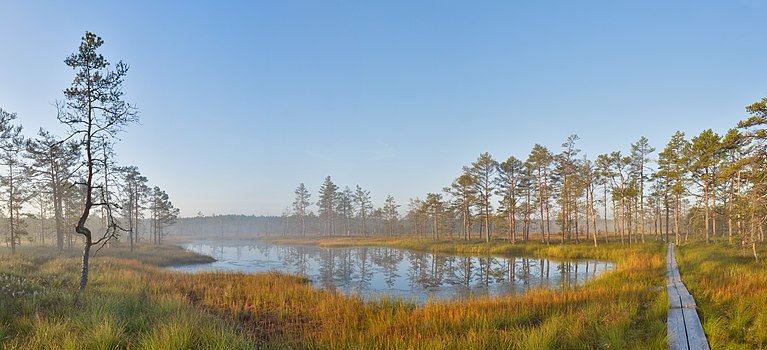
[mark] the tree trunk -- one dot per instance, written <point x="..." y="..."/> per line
<point x="729" y="214"/>
<point x="131" y="224"/>
<point x="705" y="194"/>
<point x="665" y="202"/>
<point x="465" y="220"/>
<point x="594" y="216"/>
<point x="677" y="218"/>
<point x="546" y="196"/>
<point x="85" y="263"/>
<point x="58" y="214"/>
<point x="713" y="216"/>
<point x="11" y="207"/>
<point x="623" y="218"/>
<point x="604" y="186"/>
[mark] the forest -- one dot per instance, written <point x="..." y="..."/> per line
<point x="710" y="187"/>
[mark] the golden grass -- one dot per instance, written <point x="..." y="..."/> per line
<point x="730" y="289"/>
<point x="133" y="304"/>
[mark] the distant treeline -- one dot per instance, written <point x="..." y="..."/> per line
<point x="710" y="186"/>
<point x="251" y="226"/>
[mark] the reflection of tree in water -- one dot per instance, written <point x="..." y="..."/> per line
<point x="417" y="270"/>
<point x="523" y="271"/>
<point x="365" y="274"/>
<point x="496" y="270"/>
<point x="296" y="259"/>
<point x="355" y="269"/>
<point x="453" y="271"/>
<point x="565" y="271"/>
<point x="326" y="261"/>
<point x="512" y="266"/>
<point x="388" y="260"/>
<point x="265" y="249"/>
<point x="345" y="269"/>
<point x="464" y="270"/>
<point x="428" y="270"/>
<point x="436" y="272"/>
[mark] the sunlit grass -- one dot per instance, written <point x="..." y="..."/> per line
<point x="130" y="304"/>
<point x="119" y="309"/>
<point x="730" y="289"/>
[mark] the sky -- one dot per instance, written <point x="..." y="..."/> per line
<point x="241" y="101"/>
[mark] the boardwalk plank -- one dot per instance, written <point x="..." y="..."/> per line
<point x="684" y="328"/>
<point x="687" y="301"/>
<point x="677" y="336"/>
<point x="696" y="338"/>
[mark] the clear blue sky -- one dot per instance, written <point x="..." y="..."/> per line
<point x="241" y="101"/>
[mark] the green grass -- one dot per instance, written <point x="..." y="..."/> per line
<point x="40" y="307"/>
<point x="730" y="289"/>
<point x="134" y="304"/>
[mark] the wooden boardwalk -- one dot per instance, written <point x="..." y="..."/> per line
<point x="685" y="331"/>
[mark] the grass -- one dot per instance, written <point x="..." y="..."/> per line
<point x="730" y="289"/>
<point x="625" y="309"/>
<point x="40" y="308"/>
<point x="135" y="304"/>
<point x="612" y="251"/>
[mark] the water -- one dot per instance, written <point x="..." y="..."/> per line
<point x="416" y="276"/>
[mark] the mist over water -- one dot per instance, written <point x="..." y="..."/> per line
<point x="414" y="276"/>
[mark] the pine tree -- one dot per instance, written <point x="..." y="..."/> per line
<point x="672" y="166"/>
<point x="328" y="195"/>
<point x="483" y="176"/>
<point x="96" y="112"/>
<point x="12" y="144"/>
<point x="364" y="207"/>
<point x="301" y="205"/>
<point x="704" y="154"/>
<point x="53" y="162"/>
<point x="640" y="157"/>
<point x="509" y="177"/>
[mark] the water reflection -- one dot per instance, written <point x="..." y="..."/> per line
<point x="374" y="271"/>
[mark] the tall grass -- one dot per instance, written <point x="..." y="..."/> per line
<point x="132" y="304"/>
<point x="40" y="307"/>
<point x="624" y="309"/>
<point x="730" y="289"/>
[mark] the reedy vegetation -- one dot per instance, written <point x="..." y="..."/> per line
<point x="730" y="291"/>
<point x="137" y="304"/>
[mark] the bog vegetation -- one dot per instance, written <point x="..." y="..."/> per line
<point x="132" y="302"/>
<point x="62" y="192"/>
